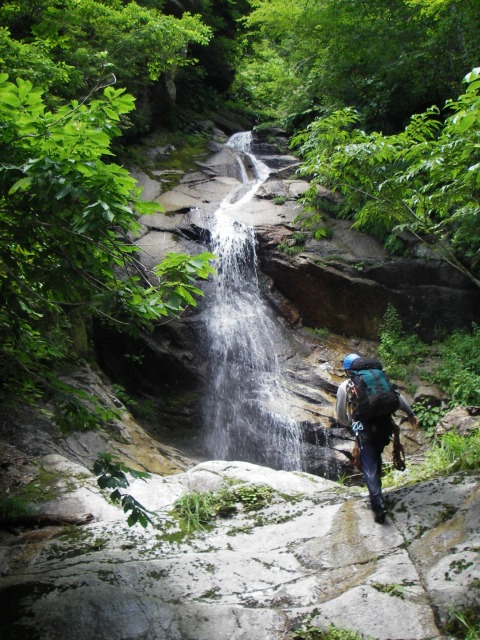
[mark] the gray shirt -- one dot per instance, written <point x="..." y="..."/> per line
<point x="342" y="408"/>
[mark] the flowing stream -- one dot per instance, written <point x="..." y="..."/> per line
<point x="246" y="412"/>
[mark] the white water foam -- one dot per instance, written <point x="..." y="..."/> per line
<point x="246" y="411"/>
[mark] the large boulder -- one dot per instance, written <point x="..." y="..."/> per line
<point x="463" y="420"/>
<point x="347" y="282"/>
<point x="310" y="554"/>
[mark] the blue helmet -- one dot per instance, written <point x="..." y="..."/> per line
<point x="347" y="362"/>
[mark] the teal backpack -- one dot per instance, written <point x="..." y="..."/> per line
<point x="373" y="391"/>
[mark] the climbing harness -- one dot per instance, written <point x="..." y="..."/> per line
<point x="357" y="427"/>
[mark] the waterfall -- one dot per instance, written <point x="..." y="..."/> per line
<point x="246" y="412"/>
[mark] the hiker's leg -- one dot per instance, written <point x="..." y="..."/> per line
<point x="371" y="458"/>
<point x="379" y="465"/>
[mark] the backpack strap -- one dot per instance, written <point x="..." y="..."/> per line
<point x="365" y="363"/>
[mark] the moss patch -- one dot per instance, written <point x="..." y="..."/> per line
<point x="170" y="152"/>
<point x="44" y="488"/>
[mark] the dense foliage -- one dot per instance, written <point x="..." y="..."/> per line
<point x="199" y="86"/>
<point x="452" y="362"/>
<point x="424" y="180"/>
<point x="459" y="369"/>
<point x="387" y="60"/>
<point x="365" y="79"/>
<point x="70" y="47"/>
<point x="67" y="216"/>
<point x="68" y="212"/>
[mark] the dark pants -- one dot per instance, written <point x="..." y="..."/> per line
<point x="374" y="439"/>
<point x="371" y="460"/>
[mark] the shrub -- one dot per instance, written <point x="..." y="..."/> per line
<point x="398" y="350"/>
<point x="428" y="416"/>
<point x="454" y="452"/>
<point x="450" y="453"/>
<point x="197" y="509"/>
<point x="310" y="632"/>
<point x="459" y="371"/>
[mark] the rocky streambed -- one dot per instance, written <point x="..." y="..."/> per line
<point x="308" y="555"/>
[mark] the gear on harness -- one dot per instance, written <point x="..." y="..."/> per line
<point x="357" y="427"/>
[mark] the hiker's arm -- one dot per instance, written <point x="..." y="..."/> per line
<point x="341" y="405"/>
<point x="404" y="406"/>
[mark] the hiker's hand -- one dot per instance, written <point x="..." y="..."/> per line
<point x="413" y="420"/>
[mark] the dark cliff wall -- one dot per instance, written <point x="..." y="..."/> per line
<point x="430" y="296"/>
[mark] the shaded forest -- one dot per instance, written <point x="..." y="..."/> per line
<point x="380" y="99"/>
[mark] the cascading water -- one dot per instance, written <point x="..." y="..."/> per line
<point x="246" y="413"/>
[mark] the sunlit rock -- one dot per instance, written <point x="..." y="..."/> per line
<point x="311" y="554"/>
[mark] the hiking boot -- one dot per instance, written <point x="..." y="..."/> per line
<point x="380" y="516"/>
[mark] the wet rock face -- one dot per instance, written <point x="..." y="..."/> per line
<point x="346" y="284"/>
<point x="28" y="432"/>
<point x="309" y="554"/>
<point x="342" y="284"/>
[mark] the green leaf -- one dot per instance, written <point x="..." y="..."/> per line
<point x="185" y="295"/>
<point x="21" y="185"/>
<point x="467" y="121"/>
<point x="63" y="192"/>
<point x="116" y="496"/>
<point x="108" y="214"/>
<point x="133" y="518"/>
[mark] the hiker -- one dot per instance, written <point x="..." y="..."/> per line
<point x="366" y="402"/>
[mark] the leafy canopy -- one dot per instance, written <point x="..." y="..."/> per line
<point x="424" y="179"/>
<point x="67" y="216"/>
<point x="385" y="59"/>
<point x="79" y="43"/>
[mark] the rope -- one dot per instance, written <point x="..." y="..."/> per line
<point x="398" y="454"/>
